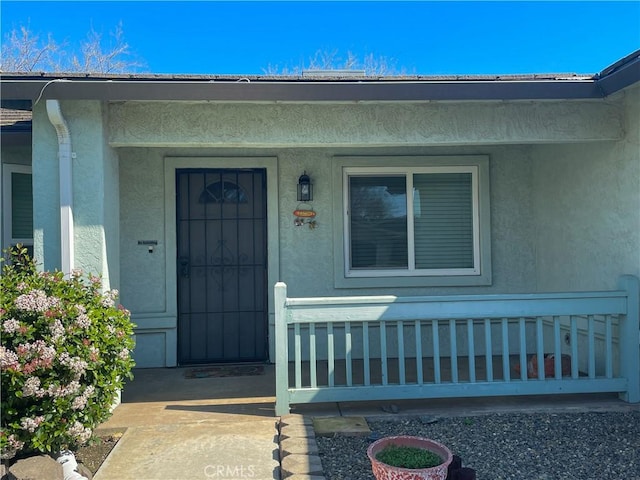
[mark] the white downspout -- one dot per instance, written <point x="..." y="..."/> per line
<point x="66" y="186"/>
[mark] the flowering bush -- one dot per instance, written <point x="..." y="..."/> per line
<point x="65" y="351"/>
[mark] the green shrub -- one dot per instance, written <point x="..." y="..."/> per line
<point x="65" y="352"/>
<point x="408" y="457"/>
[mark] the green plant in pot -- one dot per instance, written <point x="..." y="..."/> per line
<point x="409" y="458"/>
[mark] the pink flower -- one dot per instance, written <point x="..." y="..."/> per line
<point x="8" y="359"/>
<point x="57" y="331"/>
<point x="76" y="364"/>
<point x="14" y="443"/>
<point x="57" y="391"/>
<point x="36" y="301"/>
<point x="32" y="388"/>
<point x="107" y="302"/>
<point x="94" y="354"/>
<point x="81" y="401"/>
<point x="83" y="321"/>
<point x="30" y="424"/>
<point x="11" y="326"/>
<point x="30" y="367"/>
<point x="37" y="355"/>
<point x="12" y="448"/>
<point x="109" y="298"/>
<point x="78" y="431"/>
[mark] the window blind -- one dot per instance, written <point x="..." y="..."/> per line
<point x="443" y="223"/>
<point x="21" y="206"/>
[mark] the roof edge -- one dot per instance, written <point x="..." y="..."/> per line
<point x="620" y="74"/>
<point x="278" y="91"/>
<point x="220" y="88"/>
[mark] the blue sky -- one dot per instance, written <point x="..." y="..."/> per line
<point x="429" y="38"/>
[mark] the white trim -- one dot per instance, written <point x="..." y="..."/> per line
<point x="171" y="164"/>
<point x="7" y="207"/>
<point x="411" y="254"/>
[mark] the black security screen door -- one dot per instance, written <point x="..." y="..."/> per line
<point x="222" y="265"/>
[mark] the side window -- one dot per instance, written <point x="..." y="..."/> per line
<point x="17" y="206"/>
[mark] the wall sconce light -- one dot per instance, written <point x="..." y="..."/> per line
<point x="305" y="188"/>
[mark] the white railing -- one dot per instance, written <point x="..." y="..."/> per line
<point x="335" y="349"/>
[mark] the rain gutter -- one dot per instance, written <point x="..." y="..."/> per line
<point x="303" y="91"/>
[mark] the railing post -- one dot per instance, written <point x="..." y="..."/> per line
<point x="629" y="333"/>
<point x="282" y="349"/>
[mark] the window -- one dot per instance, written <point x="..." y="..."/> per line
<point x="424" y="222"/>
<point x="17" y="202"/>
<point x="223" y="192"/>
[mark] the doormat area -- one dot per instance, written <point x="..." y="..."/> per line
<point x="225" y="371"/>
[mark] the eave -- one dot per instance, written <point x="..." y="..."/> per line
<point x="237" y="88"/>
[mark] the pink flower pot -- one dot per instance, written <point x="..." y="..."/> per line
<point x="382" y="471"/>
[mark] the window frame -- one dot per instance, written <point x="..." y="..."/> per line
<point x="345" y="167"/>
<point x="8" y="169"/>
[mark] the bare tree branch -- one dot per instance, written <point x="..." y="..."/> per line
<point x="277" y="70"/>
<point x="372" y="65"/>
<point x="23" y="52"/>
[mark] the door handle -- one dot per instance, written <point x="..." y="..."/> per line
<point x="184" y="264"/>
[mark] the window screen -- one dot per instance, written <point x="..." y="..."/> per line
<point x="378" y="222"/>
<point x="439" y="235"/>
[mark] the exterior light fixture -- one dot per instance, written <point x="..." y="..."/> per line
<point x="305" y="188"/>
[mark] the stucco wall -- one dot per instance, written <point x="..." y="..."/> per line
<point x="142" y="218"/>
<point x="306" y="264"/>
<point x="305" y="254"/>
<point x="46" y="190"/>
<point x="95" y="191"/>
<point x="587" y="208"/>
<point x="400" y="124"/>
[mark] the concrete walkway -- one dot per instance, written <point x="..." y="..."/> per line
<point x="182" y="428"/>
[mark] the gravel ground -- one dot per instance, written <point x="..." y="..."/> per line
<point x="537" y="446"/>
